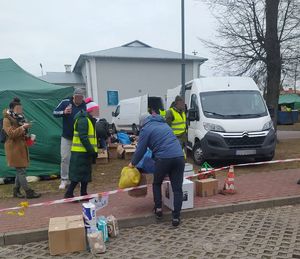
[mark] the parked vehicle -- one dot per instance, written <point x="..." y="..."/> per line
<point x="227" y="119"/>
<point x="128" y="112"/>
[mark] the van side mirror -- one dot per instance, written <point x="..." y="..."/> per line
<point x="113" y="114"/>
<point x="193" y="115"/>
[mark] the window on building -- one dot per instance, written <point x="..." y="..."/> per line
<point x="112" y="98"/>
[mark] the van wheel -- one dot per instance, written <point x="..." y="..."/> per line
<point x="113" y="129"/>
<point x="135" y="130"/>
<point x="198" y="154"/>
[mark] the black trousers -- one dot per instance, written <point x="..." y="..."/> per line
<point x="72" y="186"/>
<point x="174" y="168"/>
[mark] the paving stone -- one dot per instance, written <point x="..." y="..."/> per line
<point x="262" y="233"/>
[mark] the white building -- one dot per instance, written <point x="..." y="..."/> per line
<point x="132" y="70"/>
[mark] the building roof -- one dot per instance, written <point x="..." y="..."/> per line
<point x="137" y="50"/>
<point x="63" y="78"/>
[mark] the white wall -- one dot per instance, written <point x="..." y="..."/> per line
<point x="137" y="77"/>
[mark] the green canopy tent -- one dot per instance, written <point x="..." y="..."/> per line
<point x="38" y="98"/>
<point x="291" y="100"/>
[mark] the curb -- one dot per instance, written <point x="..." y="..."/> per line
<point x="23" y="237"/>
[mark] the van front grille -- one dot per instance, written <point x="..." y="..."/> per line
<point x="245" y="141"/>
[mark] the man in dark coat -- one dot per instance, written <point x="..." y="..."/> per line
<point x="168" y="155"/>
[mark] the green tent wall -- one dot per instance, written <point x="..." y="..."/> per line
<point x="38" y="98"/>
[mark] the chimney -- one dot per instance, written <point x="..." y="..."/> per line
<point x="68" y="68"/>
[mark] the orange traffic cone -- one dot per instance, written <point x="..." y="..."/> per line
<point x="229" y="182"/>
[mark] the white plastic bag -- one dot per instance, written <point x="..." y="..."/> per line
<point x="96" y="243"/>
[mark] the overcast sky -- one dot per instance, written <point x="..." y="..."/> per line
<point x="56" y="32"/>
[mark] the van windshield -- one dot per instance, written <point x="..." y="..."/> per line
<point x="233" y="104"/>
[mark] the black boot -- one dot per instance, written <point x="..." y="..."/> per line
<point x="31" y="194"/>
<point x="17" y="193"/>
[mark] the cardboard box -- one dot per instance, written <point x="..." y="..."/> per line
<point x="66" y="235"/>
<point x="112" y="151"/>
<point x="129" y="151"/>
<point x="128" y="154"/>
<point x="132" y="146"/>
<point x="120" y="151"/>
<point x="188" y="194"/>
<point x="102" y="156"/>
<point x="206" y="187"/>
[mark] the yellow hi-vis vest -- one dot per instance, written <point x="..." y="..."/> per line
<point x="179" y="123"/>
<point x="162" y="113"/>
<point x="76" y="143"/>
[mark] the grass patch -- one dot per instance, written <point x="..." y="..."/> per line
<point x="106" y="176"/>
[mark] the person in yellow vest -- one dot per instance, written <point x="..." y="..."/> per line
<point x="162" y="113"/>
<point x="84" y="149"/>
<point x="176" y="119"/>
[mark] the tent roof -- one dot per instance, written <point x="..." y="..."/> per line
<point x="289" y="98"/>
<point x="13" y="77"/>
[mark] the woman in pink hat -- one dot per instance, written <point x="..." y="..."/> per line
<point x="84" y="148"/>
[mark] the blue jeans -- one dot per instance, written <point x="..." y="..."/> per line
<point x="103" y="143"/>
<point x="174" y="168"/>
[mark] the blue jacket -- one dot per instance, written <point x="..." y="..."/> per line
<point x="158" y="136"/>
<point x="68" y="120"/>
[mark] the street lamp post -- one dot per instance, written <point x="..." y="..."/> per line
<point x="182" y="52"/>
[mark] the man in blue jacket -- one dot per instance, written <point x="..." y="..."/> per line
<point x="167" y="153"/>
<point x="67" y="109"/>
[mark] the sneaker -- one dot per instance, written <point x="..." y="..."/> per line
<point x="158" y="213"/>
<point x="63" y="184"/>
<point x="175" y="222"/>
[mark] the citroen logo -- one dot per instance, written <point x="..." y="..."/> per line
<point x="245" y="134"/>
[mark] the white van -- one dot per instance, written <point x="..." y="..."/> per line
<point x="128" y="112"/>
<point x="228" y="119"/>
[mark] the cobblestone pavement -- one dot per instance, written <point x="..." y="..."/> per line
<point x="263" y="233"/>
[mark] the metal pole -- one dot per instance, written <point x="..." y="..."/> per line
<point x="182" y="52"/>
<point x="295" y="84"/>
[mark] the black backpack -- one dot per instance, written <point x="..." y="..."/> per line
<point x="102" y="128"/>
<point x="3" y="135"/>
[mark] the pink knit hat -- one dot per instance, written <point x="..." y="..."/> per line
<point x="90" y="104"/>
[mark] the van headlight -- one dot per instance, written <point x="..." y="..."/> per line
<point x="213" y="127"/>
<point x="268" y="125"/>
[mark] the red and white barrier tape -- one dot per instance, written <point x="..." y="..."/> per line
<point x="96" y="195"/>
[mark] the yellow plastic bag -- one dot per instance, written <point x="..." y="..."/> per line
<point x="130" y="177"/>
<point x="142" y="192"/>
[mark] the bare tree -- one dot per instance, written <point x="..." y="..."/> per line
<point x="273" y="57"/>
<point x="257" y="38"/>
